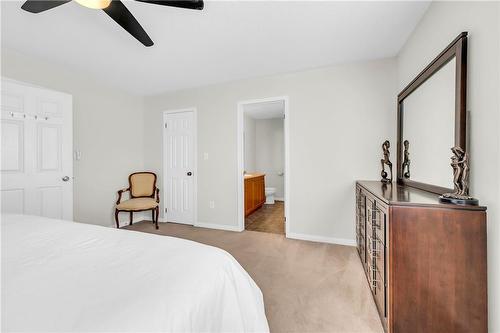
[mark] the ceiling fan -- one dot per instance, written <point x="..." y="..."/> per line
<point x="116" y="10"/>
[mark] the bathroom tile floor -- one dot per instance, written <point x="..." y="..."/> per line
<point x="268" y="218"/>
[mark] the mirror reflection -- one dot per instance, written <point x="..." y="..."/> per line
<point x="429" y="127"/>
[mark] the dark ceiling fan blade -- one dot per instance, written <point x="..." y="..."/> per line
<point x="189" y="4"/>
<point x="38" y="6"/>
<point x="118" y="12"/>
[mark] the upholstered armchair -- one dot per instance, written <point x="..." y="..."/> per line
<point x="144" y="196"/>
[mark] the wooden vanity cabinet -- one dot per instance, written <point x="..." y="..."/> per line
<point x="425" y="262"/>
<point x="254" y="193"/>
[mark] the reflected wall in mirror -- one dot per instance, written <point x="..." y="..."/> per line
<point x="429" y="127"/>
<point x="432" y="118"/>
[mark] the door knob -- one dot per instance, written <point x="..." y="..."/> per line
<point x="65" y="178"/>
<point x="189" y="173"/>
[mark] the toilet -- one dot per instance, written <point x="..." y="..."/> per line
<point x="270" y="191"/>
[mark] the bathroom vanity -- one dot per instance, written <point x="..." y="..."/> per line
<point x="254" y="192"/>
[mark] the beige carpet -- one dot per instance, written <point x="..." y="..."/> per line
<point x="307" y="286"/>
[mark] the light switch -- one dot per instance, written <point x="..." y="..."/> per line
<point x="78" y="155"/>
<point x="205" y="156"/>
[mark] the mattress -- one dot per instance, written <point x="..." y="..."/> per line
<point x="66" y="276"/>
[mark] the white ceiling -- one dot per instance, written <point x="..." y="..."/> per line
<point x="265" y="110"/>
<point x="226" y="41"/>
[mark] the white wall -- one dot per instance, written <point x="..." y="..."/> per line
<point x="250" y="144"/>
<point x="339" y="116"/>
<point x="440" y="25"/>
<point x="107" y="128"/>
<point x="270" y="153"/>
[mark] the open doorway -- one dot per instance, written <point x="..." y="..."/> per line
<point x="262" y="168"/>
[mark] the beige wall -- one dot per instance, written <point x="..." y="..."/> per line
<point x="270" y="153"/>
<point x="339" y="117"/>
<point x="249" y="137"/>
<point x="107" y="128"/>
<point x="440" y="25"/>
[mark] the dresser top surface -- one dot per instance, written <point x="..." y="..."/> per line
<point x="401" y="195"/>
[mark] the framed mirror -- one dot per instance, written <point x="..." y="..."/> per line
<point x="432" y="120"/>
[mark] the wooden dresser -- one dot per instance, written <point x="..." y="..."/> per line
<point x="254" y="192"/>
<point x="425" y="262"/>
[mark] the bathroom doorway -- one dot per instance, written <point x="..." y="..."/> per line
<point x="263" y="165"/>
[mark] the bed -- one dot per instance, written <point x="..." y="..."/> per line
<point x="66" y="276"/>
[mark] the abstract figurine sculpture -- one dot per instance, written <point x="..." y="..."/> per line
<point x="385" y="161"/>
<point x="406" y="160"/>
<point x="460" y="165"/>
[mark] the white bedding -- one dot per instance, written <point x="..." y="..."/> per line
<point x="65" y="276"/>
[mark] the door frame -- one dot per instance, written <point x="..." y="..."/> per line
<point x="241" y="155"/>
<point x="195" y="167"/>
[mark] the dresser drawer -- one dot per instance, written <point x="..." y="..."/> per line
<point x="375" y="251"/>
<point x="361" y="250"/>
<point x="360" y="231"/>
<point x="376" y="261"/>
<point x="360" y="204"/>
<point x="380" y="221"/>
<point x="380" y="297"/>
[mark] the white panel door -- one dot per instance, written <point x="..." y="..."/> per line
<point x="179" y="167"/>
<point x="37" y="141"/>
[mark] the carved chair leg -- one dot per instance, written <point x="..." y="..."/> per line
<point x="153" y="215"/>
<point x="131" y="217"/>
<point x="157" y="215"/>
<point x="116" y="219"/>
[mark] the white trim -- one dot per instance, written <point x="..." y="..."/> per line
<point x="217" y="226"/>
<point x="322" y="239"/>
<point x="240" y="157"/>
<point x="195" y="171"/>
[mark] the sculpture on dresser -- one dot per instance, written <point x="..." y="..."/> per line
<point x="386" y="161"/>
<point x="460" y="165"/>
<point x="406" y="160"/>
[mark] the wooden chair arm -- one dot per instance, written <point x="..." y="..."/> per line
<point x="157" y="195"/>
<point x="120" y="192"/>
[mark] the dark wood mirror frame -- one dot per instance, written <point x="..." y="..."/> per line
<point x="458" y="50"/>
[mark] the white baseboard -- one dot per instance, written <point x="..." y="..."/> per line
<point x="322" y="239"/>
<point x="218" y="226"/>
<point x="124" y="218"/>
<point x="279" y="199"/>
<point x="292" y="235"/>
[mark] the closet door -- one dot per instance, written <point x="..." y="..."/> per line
<point x="179" y="165"/>
<point x="36" y="156"/>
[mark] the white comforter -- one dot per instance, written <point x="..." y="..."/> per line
<point x="66" y="276"/>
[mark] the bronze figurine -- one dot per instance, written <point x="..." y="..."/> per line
<point x="406" y="160"/>
<point x="460" y="165"/>
<point x="386" y="161"/>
